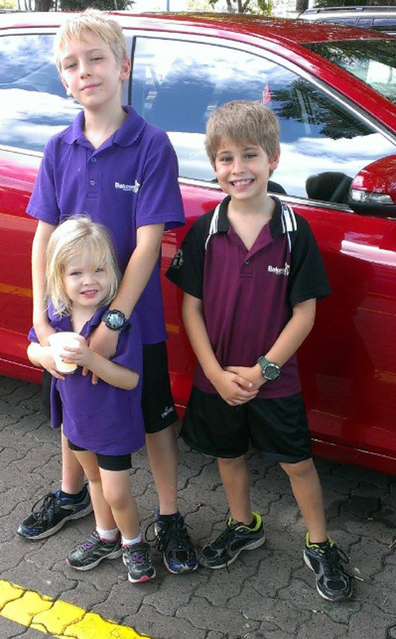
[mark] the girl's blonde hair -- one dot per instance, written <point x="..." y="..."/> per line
<point x="243" y="122"/>
<point x="76" y="238"/>
<point x="96" y="23"/>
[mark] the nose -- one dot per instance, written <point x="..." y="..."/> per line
<point x="84" y="69"/>
<point x="238" y="165"/>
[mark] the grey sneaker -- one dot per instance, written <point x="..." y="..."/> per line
<point x="54" y="512"/>
<point x="237" y="537"/>
<point x="138" y="561"/>
<point x="92" y="551"/>
<point x="332" y="581"/>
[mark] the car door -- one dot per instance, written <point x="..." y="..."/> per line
<point x="348" y="365"/>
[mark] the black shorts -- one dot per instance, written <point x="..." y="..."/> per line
<point x="157" y="402"/>
<point x="277" y="428"/>
<point x="107" y="462"/>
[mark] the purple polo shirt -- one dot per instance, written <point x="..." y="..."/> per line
<point x="248" y="295"/>
<point x="128" y="182"/>
<point x="100" y="417"/>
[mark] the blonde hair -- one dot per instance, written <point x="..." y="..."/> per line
<point x="96" y="23"/>
<point x="244" y="122"/>
<point x="78" y="237"/>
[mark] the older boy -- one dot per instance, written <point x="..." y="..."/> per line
<point x="251" y="273"/>
<point x="121" y="171"/>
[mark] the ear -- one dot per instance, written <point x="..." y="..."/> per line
<point x="125" y="69"/>
<point x="274" y="163"/>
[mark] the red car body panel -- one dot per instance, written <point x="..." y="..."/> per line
<point x="350" y="353"/>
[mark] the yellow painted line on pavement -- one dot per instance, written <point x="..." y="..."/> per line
<point x="57" y="618"/>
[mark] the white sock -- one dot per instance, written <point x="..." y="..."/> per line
<point x="131" y="542"/>
<point x="107" y="535"/>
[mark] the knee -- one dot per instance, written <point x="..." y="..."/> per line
<point x="300" y="470"/>
<point x="116" y="498"/>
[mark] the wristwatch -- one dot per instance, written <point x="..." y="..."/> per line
<point x="115" y="320"/>
<point x="269" y="370"/>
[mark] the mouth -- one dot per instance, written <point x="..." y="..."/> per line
<point x="91" y="293"/>
<point x="89" y="87"/>
<point x="239" y="183"/>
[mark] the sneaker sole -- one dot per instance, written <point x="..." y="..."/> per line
<point x="339" y="598"/>
<point x="141" y="579"/>
<point x="252" y="546"/>
<point x="182" y="570"/>
<point x="113" y="555"/>
<point x="48" y="533"/>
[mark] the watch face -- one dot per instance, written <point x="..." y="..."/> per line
<point x="114" y="320"/>
<point x="271" y="372"/>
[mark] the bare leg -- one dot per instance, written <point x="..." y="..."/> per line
<point x="308" y="493"/>
<point x="103" y="515"/>
<point x="235" y="477"/>
<point x="72" y="472"/>
<point x="117" y="492"/>
<point x="163" y="456"/>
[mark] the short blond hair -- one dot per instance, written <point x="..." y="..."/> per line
<point x="244" y="122"/>
<point x="78" y="237"/>
<point x="97" y="23"/>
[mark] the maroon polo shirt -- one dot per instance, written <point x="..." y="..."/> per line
<point x="248" y="295"/>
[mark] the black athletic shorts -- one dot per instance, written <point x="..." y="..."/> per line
<point x="107" y="462"/>
<point x="277" y="428"/>
<point x="157" y="402"/>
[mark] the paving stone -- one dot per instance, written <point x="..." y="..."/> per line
<point x="158" y="626"/>
<point x="370" y="622"/>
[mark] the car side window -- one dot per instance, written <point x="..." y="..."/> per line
<point x="176" y="86"/>
<point x="33" y="102"/>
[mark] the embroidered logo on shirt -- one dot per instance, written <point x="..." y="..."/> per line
<point x="178" y="260"/>
<point x="167" y="411"/>
<point x="280" y="271"/>
<point x="134" y="188"/>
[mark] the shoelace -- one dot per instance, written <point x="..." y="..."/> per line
<point x="171" y="533"/>
<point x="139" y="556"/>
<point x="46" y="510"/>
<point x="333" y="558"/>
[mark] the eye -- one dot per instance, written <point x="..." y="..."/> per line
<point x="249" y="156"/>
<point x="100" y="269"/>
<point x="74" y="273"/>
<point x="96" y="59"/>
<point x="69" y="65"/>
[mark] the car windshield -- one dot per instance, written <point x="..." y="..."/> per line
<point x="372" y="61"/>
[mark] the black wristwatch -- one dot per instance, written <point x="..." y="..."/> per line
<point x="269" y="370"/>
<point x="115" y="320"/>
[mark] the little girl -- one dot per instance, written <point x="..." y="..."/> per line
<point x="103" y="422"/>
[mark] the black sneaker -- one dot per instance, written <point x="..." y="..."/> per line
<point x="223" y="551"/>
<point x="173" y="540"/>
<point x="332" y="581"/>
<point x="138" y="561"/>
<point x="54" y="512"/>
<point x="92" y="551"/>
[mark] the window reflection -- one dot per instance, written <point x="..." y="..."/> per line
<point x="33" y="102"/>
<point x="318" y="136"/>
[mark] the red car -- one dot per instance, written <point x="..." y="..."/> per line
<point x="334" y="91"/>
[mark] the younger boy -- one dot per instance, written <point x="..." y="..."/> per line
<point x="251" y="273"/>
<point x="122" y="172"/>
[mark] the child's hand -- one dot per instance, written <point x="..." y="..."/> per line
<point x="47" y="361"/>
<point x="104" y="342"/>
<point x="233" y="388"/>
<point x="250" y="374"/>
<point x="77" y="352"/>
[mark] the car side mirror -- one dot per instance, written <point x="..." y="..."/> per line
<point x="373" y="190"/>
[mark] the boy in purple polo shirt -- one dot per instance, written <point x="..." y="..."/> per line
<point x="251" y="273"/>
<point x="121" y="171"/>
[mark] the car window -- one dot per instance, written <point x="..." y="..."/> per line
<point x="323" y="144"/>
<point x="33" y="102"/>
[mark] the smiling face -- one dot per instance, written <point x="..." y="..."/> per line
<point x="243" y="170"/>
<point x="86" y="284"/>
<point x="91" y="73"/>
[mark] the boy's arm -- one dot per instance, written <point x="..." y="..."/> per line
<point x="137" y="274"/>
<point x="288" y="342"/>
<point x="110" y="372"/>
<point x="39" y="249"/>
<point x="233" y="388"/>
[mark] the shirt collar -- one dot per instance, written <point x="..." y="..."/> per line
<point x="276" y="226"/>
<point x="126" y="135"/>
<point x="63" y="323"/>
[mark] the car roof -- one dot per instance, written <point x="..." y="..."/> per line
<point x="279" y="30"/>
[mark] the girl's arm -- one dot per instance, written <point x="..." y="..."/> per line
<point x="288" y="342"/>
<point x="42" y="356"/>
<point x="39" y="251"/>
<point x="110" y="372"/>
<point x="233" y="388"/>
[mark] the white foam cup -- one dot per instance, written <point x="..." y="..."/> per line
<point x="58" y="341"/>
